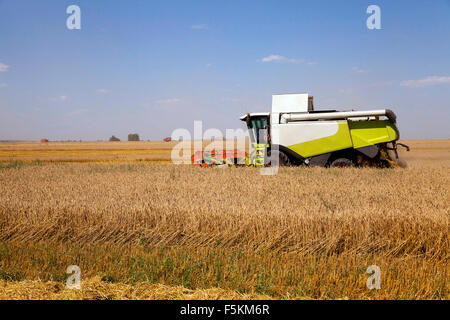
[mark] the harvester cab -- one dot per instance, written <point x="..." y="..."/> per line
<point x="300" y="135"/>
<point x="258" y="129"/>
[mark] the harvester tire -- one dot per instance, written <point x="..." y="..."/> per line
<point x="342" y="163"/>
<point x="285" y="161"/>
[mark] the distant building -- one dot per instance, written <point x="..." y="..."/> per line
<point x="44" y="140"/>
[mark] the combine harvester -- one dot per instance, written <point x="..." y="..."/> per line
<point x="297" y="134"/>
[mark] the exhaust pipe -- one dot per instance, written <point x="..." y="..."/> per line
<point x="291" y="117"/>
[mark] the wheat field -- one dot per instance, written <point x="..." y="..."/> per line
<point x="138" y="151"/>
<point x="146" y="230"/>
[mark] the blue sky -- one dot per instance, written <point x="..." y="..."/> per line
<point x="154" y="66"/>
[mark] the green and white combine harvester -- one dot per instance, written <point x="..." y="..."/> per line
<point x="296" y="134"/>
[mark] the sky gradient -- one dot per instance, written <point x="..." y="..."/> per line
<point x="153" y="66"/>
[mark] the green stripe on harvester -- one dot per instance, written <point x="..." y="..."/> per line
<point x="340" y="140"/>
<point x="356" y="134"/>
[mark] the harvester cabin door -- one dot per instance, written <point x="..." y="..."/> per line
<point x="258" y="129"/>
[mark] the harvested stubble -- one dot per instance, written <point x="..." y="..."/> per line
<point x="96" y="289"/>
<point x="302" y="233"/>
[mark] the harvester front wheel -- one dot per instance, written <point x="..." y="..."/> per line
<point x="283" y="158"/>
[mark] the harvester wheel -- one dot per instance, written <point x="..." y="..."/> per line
<point x="284" y="160"/>
<point x="342" y="163"/>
